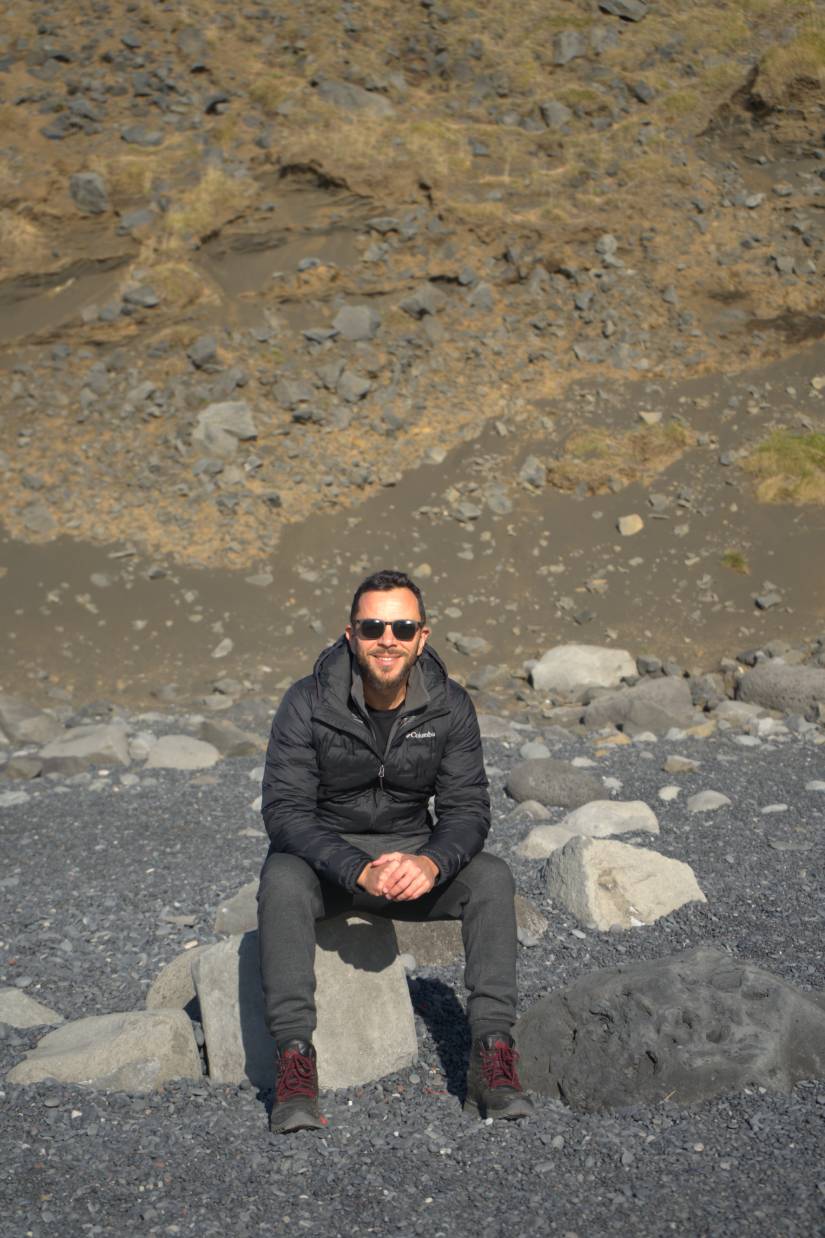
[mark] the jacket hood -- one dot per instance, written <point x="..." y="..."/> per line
<point x="335" y="668"/>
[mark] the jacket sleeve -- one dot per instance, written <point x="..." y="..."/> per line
<point x="462" y="803"/>
<point x="290" y="797"/>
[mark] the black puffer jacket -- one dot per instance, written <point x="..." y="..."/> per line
<point x="326" y="778"/>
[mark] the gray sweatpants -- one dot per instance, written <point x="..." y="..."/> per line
<point x="291" y="897"/>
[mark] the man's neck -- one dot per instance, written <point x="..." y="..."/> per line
<point x="385" y="700"/>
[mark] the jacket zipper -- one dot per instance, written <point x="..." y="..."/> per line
<point x="381" y="777"/>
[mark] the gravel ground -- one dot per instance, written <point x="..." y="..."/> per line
<point x="88" y="868"/>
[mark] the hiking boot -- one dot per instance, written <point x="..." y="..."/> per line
<point x="493" y="1086"/>
<point x="296" y="1090"/>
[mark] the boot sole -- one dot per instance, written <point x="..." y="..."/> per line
<point x="297" y="1120"/>
<point x="519" y="1107"/>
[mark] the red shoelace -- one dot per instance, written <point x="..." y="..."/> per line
<point x="296" y="1076"/>
<point x="499" y="1066"/>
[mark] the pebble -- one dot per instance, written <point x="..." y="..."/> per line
<point x="817" y="784"/>
<point x="707" y="801"/>
<point x="669" y="793"/>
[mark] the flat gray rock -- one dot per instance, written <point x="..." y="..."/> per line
<point x="173" y="988"/>
<point x="19" y="1010"/>
<point x="347" y="97"/>
<point x="652" y="705"/>
<point x="598" y="819"/>
<point x="685" y="1028"/>
<point x="365" y="1026"/>
<point x="23" y="724"/>
<point x="789" y="689"/>
<point x="221" y="427"/>
<point x="83" y="746"/>
<point x="181" y="752"/>
<point x="357" y="322"/>
<point x="134" y="1051"/>
<point x="553" y="783"/>
<point x="707" y="801"/>
<point x="229" y="739"/>
<point x="566" y="668"/>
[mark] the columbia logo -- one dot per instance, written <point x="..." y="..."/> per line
<point x="421" y="735"/>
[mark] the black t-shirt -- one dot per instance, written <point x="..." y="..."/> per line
<point x="382" y="720"/>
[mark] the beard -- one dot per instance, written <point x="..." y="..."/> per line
<point x="385" y="680"/>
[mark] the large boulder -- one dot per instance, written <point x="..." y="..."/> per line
<point x="17" y="1009"/>
<point x="598" y="819"/>
<point x="365" y="1026"/>
<point x="790" y="689"/>
<point x="684" y="1028"/>
<point x="82" y="746"/>
<point x="134" y="1051"/>
<point x="23" y="724"/>
<point x="553" y="783"/>
<point x="432" y="943"/>
<point x="229" y="739"/>
<point x="566" y="668"/>
<point x="606" y="884"/>
<point x="652" y="705"/>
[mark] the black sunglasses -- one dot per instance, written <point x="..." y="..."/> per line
<point x="373" y="629"/>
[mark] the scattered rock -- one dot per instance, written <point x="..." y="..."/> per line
<point x="365" y="1020"/>
<point x="628" y="526"/>
<point x="351" y="98"/>
<point x="565" y="668"/>
<point x="221" y="427"/>
<point x="229" y="739"/>
<point x="357" y="322"/>
<point x="88" y="190"/>
<point x="680" y="765"/>
<point x="553" y="783"/>
<point x="134" y="1051"/>
<point x="173" y="988"/>
<point x="707" y="801"/>
<point x="630" y="10"/>
<point x="597" y="819"/>
<point x="685" y="1028"/>
<point x="17" y="1009"/>
<point x="653" y="705"/>
<point x="181" y="752"/>
<point x="23" y="724"/>
<point x="789" y="689"/>
<point x="83" y="746"/>
<point x="604" y="883"/>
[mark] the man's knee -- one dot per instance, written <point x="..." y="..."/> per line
<point x="488" y="876"/>
<point x="287" y="879"/>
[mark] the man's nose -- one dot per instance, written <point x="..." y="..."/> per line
<point x="386" y="637"/>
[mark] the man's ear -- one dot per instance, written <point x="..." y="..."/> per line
<point x="349" y="634"/>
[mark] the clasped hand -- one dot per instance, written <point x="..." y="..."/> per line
<point x="399" y="876"/>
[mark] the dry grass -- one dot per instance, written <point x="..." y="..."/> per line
<point x="22" y="243"/>
<point x="789" y="468"/>
<point x="127" y="176"/>
<point x="202" y="210"/>
<point x="596" y="458"/>
<point x="736" y="562"/>
<point x="789" y="71"/>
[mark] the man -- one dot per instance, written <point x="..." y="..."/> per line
<point x="356" y="750"/>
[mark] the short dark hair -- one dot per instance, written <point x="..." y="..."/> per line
<point x="382" y="582"/>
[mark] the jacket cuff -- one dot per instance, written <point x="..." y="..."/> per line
<point x="437" y="859"/>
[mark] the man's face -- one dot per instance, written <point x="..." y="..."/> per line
<point x="385" y="663"/>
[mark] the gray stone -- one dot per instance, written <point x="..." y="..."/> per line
<point x="181" y="752"/>
<point x="652" y="705"/>
<point x="19" y="1010"/>
<point x="737" y="713"/>
<point x="88" y="189"/>
<point x="203" y="353"/>
<point x="597" y="819"/>
<point x="173" y="988"/>
<point x="707" y="801"/>
<point x="470" y="646"/>
<point x="533" y="473"/>
<point x="357" y="322"/>
<point x="238" y="914"/>
<point x="23" y="724"/>
<point x="630" y="10"/>
<point x="135" y="1051"/>
<point x="493" y="727"/>
<point x="553" y="783"/>
<point x="140" y="135"/>
<point x="82" y="746"/>
<point x="220" y="428"/>
<point x="555" y="114"/>
<point x="350" y="98"/>
<point x="789" y="689"/>
<point x="685" y="1028"/>
<point x="566" y="668"/>
<point x="229" y="739"/>
<point x="352" y="387"/>
<point x="425" y="300"/>
<point x="567" y="46"/>
<point x="606" y="884"/>
<point x="365" y="1020"/>
<point x="37" y="517"/>
<point x="439" y="943"/>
